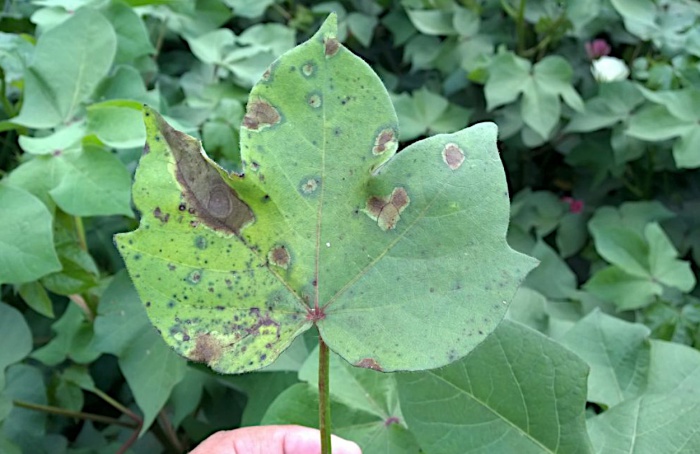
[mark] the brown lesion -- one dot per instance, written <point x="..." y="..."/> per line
<point x="369" y="363"/>
<point x="453" y="156"/>
<point x="207" y="349"/>
<point x="387" y="210"/>
<point x="330" y="46"/>
<point x="279" y="256"/>
<point x="386" y="140"/>
<point x="260" y="114"/>
<point x="212" y="200"/>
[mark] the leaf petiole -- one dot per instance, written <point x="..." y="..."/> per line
<point x="324" y="398"/>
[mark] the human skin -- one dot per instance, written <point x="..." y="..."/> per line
<point x="272" y="440"/>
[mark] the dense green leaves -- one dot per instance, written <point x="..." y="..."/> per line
<point x="26" y="240"/>
<point x="365" y="406"/>
<point x="504" y="397"/>
<point x="149" y="366"/>
<point x="68" y="63"/>
<point x="541" y="86"/>
<point x="18" y="342"/>
<point x="605" y="197"/>
<point x="644" y="260"/>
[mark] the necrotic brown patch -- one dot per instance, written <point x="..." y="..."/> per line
<point x="279" y="256"/>
<point x="331" y="46"/>
<point x="385" y="141"/>
<point x="369" y="363"/>
<point x="387" y="210"/>
<point x="260" y="114"/>
<point x="453" y="156"/>
<point x="208" y="197"/>
<point x="207" y="349"/>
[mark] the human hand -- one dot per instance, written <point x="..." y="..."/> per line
<point x="272" y="440"/>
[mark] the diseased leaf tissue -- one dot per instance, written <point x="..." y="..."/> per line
<point x="400" y="260"/>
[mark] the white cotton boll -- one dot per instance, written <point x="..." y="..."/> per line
<point x="609" y="69"/>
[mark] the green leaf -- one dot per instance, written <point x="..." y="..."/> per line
<point x="617" y="353"/>
<point x="62" y="140"/>
<point x="17" y="343"/>
<point x="639" y="16"/>
<point x="79" y="272"/>
<point x="518" y="392"/>
<point x="261" y="389"/>
<point x="118" y="124"/>
<point x="248" y="9"/>
<point x="614" y="104"/>
<point x="361" y="389"/>
<point x="26" y="243"/>
<point x="324" y="221"/>
<point x="69" y="61"/>
<point x="34" y="294"/>
<point x="362" y="27"/>
<point x="151" y="369"/>
<point x="650" y="386"/>
<point x="424" y="113"/>
<point x="432" y="21"/>
<point x="571" y="234"/>
<point x="74" y="334"/>
<point x="674" y="115"/>
<point x="625" y="290"/>
<point x="132" y="37"/>
<point x="529" y="308"/>
<point x="92" y="182"/>
<point x="26" y="428"/>
<point x="541" y="87"/>
<point x="644" y="259"/>
<point x="553" y="277"/>
<point x="365" y="406"/>
<point x="655" y="122"/>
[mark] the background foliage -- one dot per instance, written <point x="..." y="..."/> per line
<point x="600" y="350"/>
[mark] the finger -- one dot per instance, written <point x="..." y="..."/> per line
<point x="272" y="440"/>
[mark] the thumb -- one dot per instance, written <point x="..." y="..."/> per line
<point x="290" y="439"/>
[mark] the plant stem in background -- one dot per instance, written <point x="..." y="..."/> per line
<point x="520" y="27"/>
<point x="324" y="397"/>
<point x="80" y="230"/>
<point x="74" y="414"/>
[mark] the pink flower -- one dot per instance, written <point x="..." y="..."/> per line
<point x="575" y="205"/>
<point x="597" y="48"/>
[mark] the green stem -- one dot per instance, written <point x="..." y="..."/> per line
<point x="74" y="414"/>
<point x="6" y="104"/>
<point x="324" y="397"/>
<point x="80" y="230"/>
<point x="117" y="405"/>
<point x="520" y="27"/>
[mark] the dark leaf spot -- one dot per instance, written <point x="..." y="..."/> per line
<point x="309" y="185"/>
<point x="387" y="210"/>
<point x="385" y="141"/>
<point x="195" y="277"/>
<point x="279" y="256"/>
<point x="331" y="46"/>
<point x="207" y="349"/>
<point x="453" y="156"/>
<point x="260" y="114"/>
<point x="158" y="214"/>
<point x="308" y="69"/>
<point x="391" y="420"/>
<point x="369" y="363"/>
<point x="200" y="242"/>
<point x="314" y="100"/>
